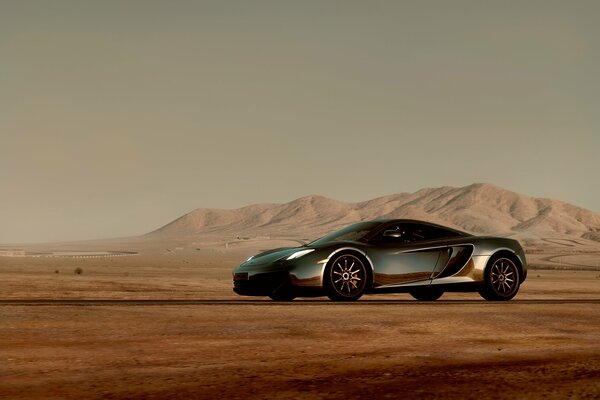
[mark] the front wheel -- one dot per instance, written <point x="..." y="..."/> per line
<point x="282" y="296"/>
<point x="345" y="278"/>
<point x="284" y="292"/>
<point x="427" y="294"/>
<point x="501" y="280"/>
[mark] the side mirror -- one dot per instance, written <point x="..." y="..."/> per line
<point x="392" y="233"/>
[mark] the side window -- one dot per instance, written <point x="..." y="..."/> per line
<point x="424" y="233"/>
<point x="412" y="233"/>
<point x="417" y="233"/>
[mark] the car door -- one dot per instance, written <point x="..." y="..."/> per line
<point x="404" y="253"/>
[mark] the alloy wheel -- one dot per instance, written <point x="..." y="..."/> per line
<point x="503" y="276"/>
<point x="348" y="277"/>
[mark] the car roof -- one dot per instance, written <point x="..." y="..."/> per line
<point x="416" y="221"/>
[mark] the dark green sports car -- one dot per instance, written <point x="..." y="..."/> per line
<point x="387" y="256"/>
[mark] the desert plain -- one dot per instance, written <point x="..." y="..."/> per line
<point x="160" y="321"/>
<point x="154" y="316"/>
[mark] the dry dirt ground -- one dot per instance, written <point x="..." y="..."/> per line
<point x="543" y="344"/>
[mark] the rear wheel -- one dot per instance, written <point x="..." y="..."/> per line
<point x="427" y="294"/>
<point x="346" y="278"/>
<point x="501" y="280"/>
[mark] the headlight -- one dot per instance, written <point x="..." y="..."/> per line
<point x="299" y="254"/>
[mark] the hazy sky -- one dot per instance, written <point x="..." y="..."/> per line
<point x="119" y="116"/>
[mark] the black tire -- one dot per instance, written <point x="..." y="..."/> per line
<point x="285" y="292"/>
<point x="501" y="279"/>
<point x="427" y="294"/>
<point x="346" y="278"/>
<point x="282" y="296"/>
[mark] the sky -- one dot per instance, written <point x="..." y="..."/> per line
<point x="117" y="117"/>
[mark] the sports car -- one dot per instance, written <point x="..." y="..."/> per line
<point x="387" y="256"/>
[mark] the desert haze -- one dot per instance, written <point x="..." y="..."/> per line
<point x="171" y="327"/>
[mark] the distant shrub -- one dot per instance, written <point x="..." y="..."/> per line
<point x="78" y="271"/>
<point x="56" y="271"/>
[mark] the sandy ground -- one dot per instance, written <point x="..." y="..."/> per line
<point x="538" y="348"/>
<point x="503" y="351"/>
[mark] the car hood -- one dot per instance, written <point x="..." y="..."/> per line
<point x="273" y="255"/>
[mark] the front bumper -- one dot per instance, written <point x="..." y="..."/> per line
<point x="261" y="284"/>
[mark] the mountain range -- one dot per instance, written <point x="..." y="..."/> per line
<point x="478" y="208"/>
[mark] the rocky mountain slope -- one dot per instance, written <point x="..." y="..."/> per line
<point x="478" y="208"/>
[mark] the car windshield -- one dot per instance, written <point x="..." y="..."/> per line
<point x="354" y="232"/>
